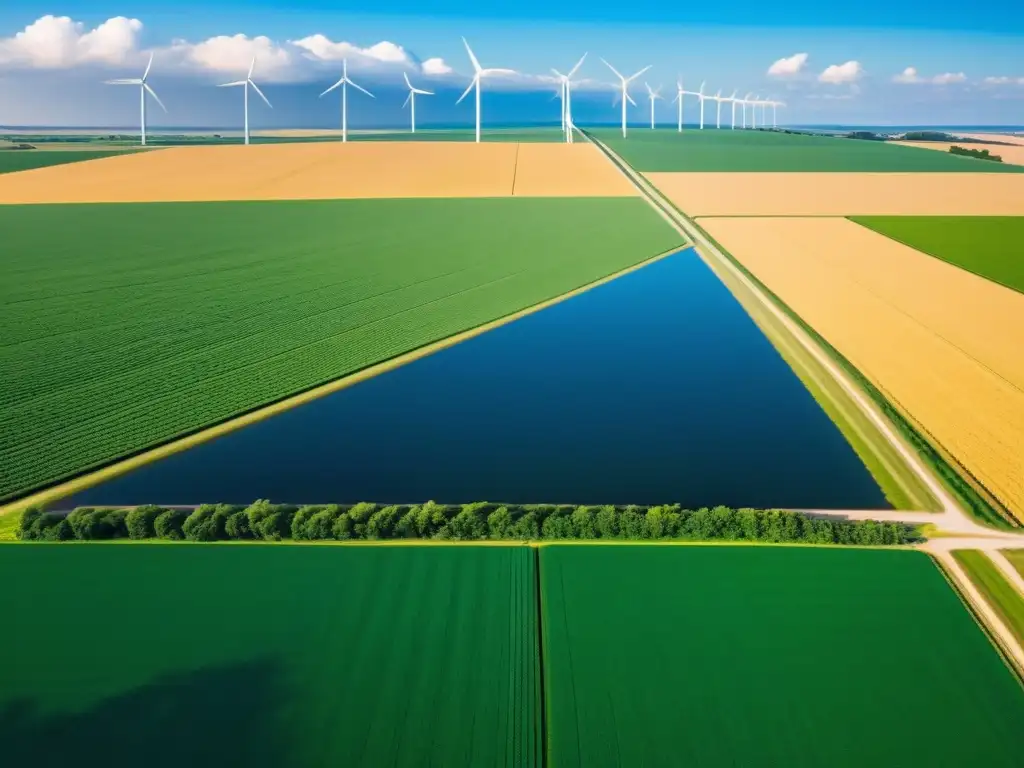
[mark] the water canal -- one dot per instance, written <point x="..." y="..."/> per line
<point x="656" y="387"/>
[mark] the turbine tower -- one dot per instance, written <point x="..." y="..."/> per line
<point x="344" y="82"/>
<point x="746" y="101"/>
<point x="679" y="98"/>
<point x="700" y="94"/>
<point x="245" y="87"/>
<point x="566" y="93"/>
<point x="411" y="99"/>
<point x="652" y="94"/>
<point x="479" y="74"/>
<point x="733" y="100"/>
<point x="143" y="88"/>
<point x="718" y="108"/>
<point x="624" y="85"/>
<point x="774" y="113"/>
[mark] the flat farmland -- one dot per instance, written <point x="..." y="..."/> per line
<point x="326" y="170"/>
<point x="989" y="246"/>
<point x="1013" y="155"/>
<point x="844" y="194"/>
<point x="717" y="151"/>
<point x="125" y="326"/>
<point x="15" y="160"/>
<point x="936" y="340"/>
<point x="270" y="655"/>
<point x="723" y="656"/>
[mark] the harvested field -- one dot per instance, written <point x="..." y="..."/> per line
<point x="326" y="170"/>
<point x="730" y="656"/>
<point x="936" y="340"/>
<point x="1014" y="138"/>
<point x="15" y="160"/>
<point x="843" y="194"/>
<point x="125" y="326"/>
<point x="269" y="656"/>
<point x="989" y="246"/>
<point x="666" y="150"/>
<point x="1012" y="155"/>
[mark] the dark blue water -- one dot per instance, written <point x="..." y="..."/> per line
<point x="656" y="387"/>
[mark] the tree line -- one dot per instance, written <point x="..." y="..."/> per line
<point x="264" y="521"/>
<point x="981" y="154"/>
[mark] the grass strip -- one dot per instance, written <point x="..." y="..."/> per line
<point x="999" y="593"/>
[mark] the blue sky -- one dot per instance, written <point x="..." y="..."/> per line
<point x="964" y="67"/>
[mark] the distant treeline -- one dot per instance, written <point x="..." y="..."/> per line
<point x="865" y="136"/>
<point x="981" y="154"/>
<point x="264" y="521"/>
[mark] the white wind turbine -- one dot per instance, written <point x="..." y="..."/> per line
<point x="652" y="94"/>
<point x="245" y="86"/>
<point x="700" y="95"/>
<point x="753" y="111"/>
<point x="624" y="85"/>
<point x="411" y="99"/>
<point x="566" y="93"/>
<point x="718" y="108"/>
<point x="733" y="99"/>
<point x="774" y="113"/>
<point x="344" y="83"/>
<point x="745" y="101"/>
<point x="143" y="88"/>
<point x="679" y="98"/>
<point x="479" y="74"/>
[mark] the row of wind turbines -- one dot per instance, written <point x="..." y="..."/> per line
<point x="565" y="83"/>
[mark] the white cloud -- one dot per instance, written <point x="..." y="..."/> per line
<point x="837" y="74"/>
<point x="233" y="53"/>
<point x="435" y="66"/>
<point x="788" y="66"/>
<point x="949" y="77"/>
<point x="54" y="42"/>
<point x="1003" y="80"/>
<point x="911" y="76"/>
<point x="908" y="75"/>
<point x="322" y="48"/>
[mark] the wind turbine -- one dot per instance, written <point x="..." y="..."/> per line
<point x="700" y="94"/>
<point x="753" y="111"/>
<point x="480" y="73"/>
<point x="411" y="98"/>
<point x="652" y="94"/>
<point x="566" y="91"/>
<point x="143" y="88"/>
<point x="774" y="113"/>
<point x="625" y="81"/>
<point x="679" y="98"/>
<point x="733" y="100"/>
<point x="746" y="101"/>
<point x="718" y="108"/>
<point x="344" y="82"/>
<point x="245" y="86"/>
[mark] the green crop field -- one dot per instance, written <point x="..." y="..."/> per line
<point x="989" y="246"/>
<point x="268" y="656"/>
<point x="664" y="149"/>
<point x="1000" y="593"/>
<point x="723" y="656"/>
<point x="1016" y="556"/>
<point x="12" y="160"/>
<point x="127" y="325"/>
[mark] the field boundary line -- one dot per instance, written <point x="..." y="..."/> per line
<point x="124" y="465"/>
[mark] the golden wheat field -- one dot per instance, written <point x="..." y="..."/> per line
<point x="941" y="358"/>
<point x="322" y="170"/>
<point x="1013" y="155"/>
<point x="844" y="194"/>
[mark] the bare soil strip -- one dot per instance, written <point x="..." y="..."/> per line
<point x="310" y="171"/>
<point x="1012" y="155"/>
<point x="1009" y="138"/>
<point x="960" y="387"/>
<point x="843" y="194"/>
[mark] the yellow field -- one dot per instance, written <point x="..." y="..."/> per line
<point x="304" y="171"/>
<point x="1013" y="155"/>
<point x="931" y="337"/>
<point x="843" y="194"/>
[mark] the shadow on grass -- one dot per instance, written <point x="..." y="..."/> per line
<point x="220" y="716"/>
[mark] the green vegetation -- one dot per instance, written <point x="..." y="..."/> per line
<point x="127" y="325"/>
<point x="988" y="246"/>
<point x="25" y="160"/>
<point x="269" y="656"/>
<point x="726" y="150"/>
<point x="1016" y="556"/>
<point x="724" y="656"/>
<point x="981" y="154"/>
<point x="997" y="591"/>
<point x="467" y="522"/>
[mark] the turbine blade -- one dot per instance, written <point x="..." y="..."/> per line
<point x="332" y="88"/>
<point x="257" y="89"/>
<point x="407" y="99"/>
<point x="634" y="77"/>
<point x="630" y="99"/>
<point x="613" y="69"/>
<point x="228" y="85"/>
<point x="578" y="65"/>
<point x="472" y="57"/>
<point x="360" y="88"/>
<point x="252" y="66"/>
<point x="148" y="67"/>
<point x="153" y="94"/>
<point x="420" y="90"/>
<point x="124" y="81"/>
<point x="557" y="73"/>
<point x="465" y="93"/>
<point x="406" y="76"/>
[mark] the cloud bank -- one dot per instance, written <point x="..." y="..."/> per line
<point x="910" y="76"/>
<point x="789" y="66"/>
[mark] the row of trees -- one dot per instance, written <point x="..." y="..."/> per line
<point x="981" y="154"/>
<point x="469" y="522"/>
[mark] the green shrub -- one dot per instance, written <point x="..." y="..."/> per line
<point x="470" y="523"/>
<point x="237" y="526"/>
<point x="168" y="524"/>
<point x="320" y="526"/>
<point x="88" y="524"/>
<point x="207" y="522"/>
<point x="360" y="515"/>
<point x="300" y="522"/>
<point x="381" y="524"/>
<point x="29" y="518"/>
<point x="140" y="520"/>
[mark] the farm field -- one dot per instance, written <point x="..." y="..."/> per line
<point x="717" y="151"/>
<point x="985" y="245"/>
<point x="327" y="170"/>
<point x="931" y="337"/>
<point x="1004" y="598"/>
<point x="844" y="194"/>
<point x="270" y="655"/>
<point x="14" y="160"/>
<point x="1013" y="155"/>
<point x="1016" y="556"/>
<point x="128" y="325"/>
<point x="720" y="664"/>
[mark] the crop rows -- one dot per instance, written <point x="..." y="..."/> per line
<point x="128" y="325"/>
